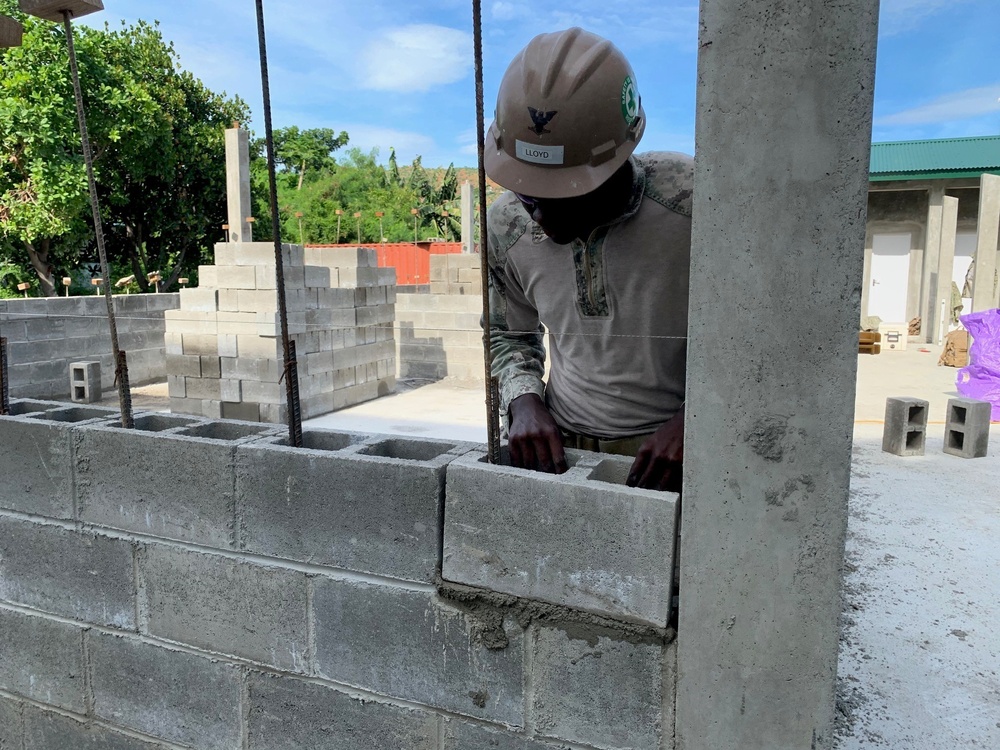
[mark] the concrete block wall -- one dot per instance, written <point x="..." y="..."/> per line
<point x="224" y="354"/>
<point x="456" y="274"/>
<point x="439" y="335"/>
<point x="47" y="334"/>
<point x="295" y="600"/>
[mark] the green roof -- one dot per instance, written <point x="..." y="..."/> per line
<point x="935" y="160"/>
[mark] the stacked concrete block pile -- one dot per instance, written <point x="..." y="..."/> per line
<point x="439" y="335"/>
<point x="47" y="335"/>
<point x="224" y="350"/>
<point x="456" y="273"/>
<point x="199" y="584"/>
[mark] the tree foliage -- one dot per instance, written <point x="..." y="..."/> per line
<point x="158" y="139"/>
<point x="298" y="151"/>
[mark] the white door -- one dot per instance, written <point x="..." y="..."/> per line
<point x="965" y="251"/>
<point x="890" y="277"/>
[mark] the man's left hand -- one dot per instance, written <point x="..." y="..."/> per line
<point x="659" y="459"/>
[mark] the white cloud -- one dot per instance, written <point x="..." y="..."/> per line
<point x="502" y="11"/>
<point x="960" y="105"/>
<point x="416" y="58"/>
<point x="899" y="16"/>
<point x="407" y="144"/>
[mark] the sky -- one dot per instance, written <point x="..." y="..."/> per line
<point x="398" y="73"/>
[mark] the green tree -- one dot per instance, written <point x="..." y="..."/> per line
<point x="158" y="139"/>
<point x="298" y="150"/>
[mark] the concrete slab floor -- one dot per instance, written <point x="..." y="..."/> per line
<point x="920" y="651"/>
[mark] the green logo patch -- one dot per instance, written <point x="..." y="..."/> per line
<point x="630" y="100"/>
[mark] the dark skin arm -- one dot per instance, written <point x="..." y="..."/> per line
<point x="657" y="465"/>
<point x="534" y="439"/>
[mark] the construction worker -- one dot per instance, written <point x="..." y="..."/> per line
<point x="592" y="242"/>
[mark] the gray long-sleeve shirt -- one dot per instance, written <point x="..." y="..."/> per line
<point x="615" y="307"/>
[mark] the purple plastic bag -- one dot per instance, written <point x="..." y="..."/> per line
<point x="981" y="379"/>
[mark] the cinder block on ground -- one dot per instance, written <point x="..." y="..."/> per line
<point x="78" y="575"/>
<point x="905" y="430"/>
<point x="42" y="660"/>
<point x="967" y="427"/>
<point x="171" y="477"/>
<point x="373" y="508"/>
<point x="592" y="688"/>
<point x="461" y="735"/>
<point x="287" y="714"/>
<point x="172" y="695"/>
<point x="45" y="730"/>
<point x="85" y="382"/>
<point x="226" y="606"/>
<point x="581" y="539"/>
<point x="414" y="646"/>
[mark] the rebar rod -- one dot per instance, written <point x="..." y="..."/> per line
<point x="4" y="382"/>
<point x="291" y="373"/>
<point x="124" y="396"/>
<point x="491" y="387"/>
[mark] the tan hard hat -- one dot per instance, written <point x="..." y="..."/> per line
<point x="568" y="116"/>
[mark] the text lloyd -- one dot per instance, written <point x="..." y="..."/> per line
<point x="534" y="152"/>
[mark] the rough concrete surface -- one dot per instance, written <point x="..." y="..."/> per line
<point x="414" y="646"/>
<point x="83" y="576"/>
<point x="920" y="651"/>
<point x="460" y="735"/>
<point x="186" y="699"/>
<point x="226" y="606"/>
<point x="42" y="660"/>
<point x="582" y="540"/>
<point x="595" y="689"/>
<point x="293" y="715"/>
<point x="44" y="730"/>
<point x="10" y="725"/>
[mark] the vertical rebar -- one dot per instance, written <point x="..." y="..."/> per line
<point x="492" y="398"/>
<point x="291" y="373"/>
<point x="124" y="396"/>
<point x="4" y="383"/>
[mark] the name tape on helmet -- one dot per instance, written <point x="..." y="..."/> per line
<point x="539" y="154"/>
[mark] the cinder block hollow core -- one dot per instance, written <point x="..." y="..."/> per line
<point x="408" y="450"/>
<point x="324" y="441"/>
<point x="73" y="414"/>
<point x="224" y="431"/>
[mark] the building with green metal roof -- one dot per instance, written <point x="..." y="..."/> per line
<point x="933" y="214"/>
<point x="944" y="159"/>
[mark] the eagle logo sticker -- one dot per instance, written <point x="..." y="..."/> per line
<point x="541" y="119"/>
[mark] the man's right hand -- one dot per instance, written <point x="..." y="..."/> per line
<point x="534" y="439"/>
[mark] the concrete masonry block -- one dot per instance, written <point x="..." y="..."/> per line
<point x="591" y="687"/>
<point x="242" y="277"/>
<point x="333" y="257"/>
<point x="226" y="606"/>
<point x="200" y="345"/>
<point x="463" y="735"/>
<point x="372" y="507"/>
<point x="208" y="277"/>
<point x="415" y="646"/>
<point x="200" y="300"/>
<point x="905" y="430"/>
<point x="85" y="382"/>
<point x="258" y="347"/>
<point x="288" y="714"/>
<point x="162" y="302"/>
<point x="11" y="736"/>
<point x="237" y="323"/>
<point x="172" y="695"/>
<point x="42" y="660"/>
<point x="206" y="388"/>
<point x="45" y="730"/>
<point x="154" y="479"/>
<point x="262" y="254"/>
<point x="229" y="300"/>
<point x="184" y="365"/>
<point x="78" y="575"/>
<point x="35" y="459"/>
<point x="967" y="427"/>
<point x="581" y="539"/>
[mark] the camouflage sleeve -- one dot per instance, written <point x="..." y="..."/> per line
<point x="516" y="336"/>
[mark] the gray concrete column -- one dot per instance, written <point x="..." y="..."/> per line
<point x="238" y="184"/>
<point x="984" y="290"/>
<point x="930" y="312"/>
<point x="783" y="136"/>
<point x="468" y="216"/>
<point x="946" y="262"/>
